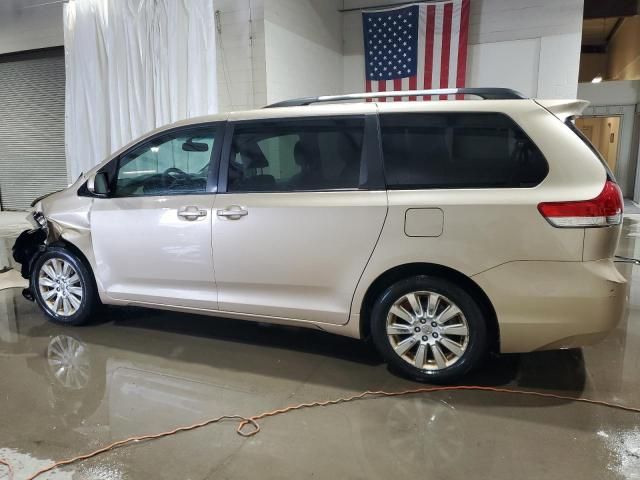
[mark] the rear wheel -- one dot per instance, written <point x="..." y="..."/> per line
<point x="429" y="329"/>
<point x="63" y="287"/>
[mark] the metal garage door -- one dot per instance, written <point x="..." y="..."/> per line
<point x="32" y="158"/>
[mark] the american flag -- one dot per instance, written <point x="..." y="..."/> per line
<point x="415" y="47"/>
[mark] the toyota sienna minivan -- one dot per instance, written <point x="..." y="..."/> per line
<point x="441" y="230"/>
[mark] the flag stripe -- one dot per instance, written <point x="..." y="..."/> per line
<point x="437" y="47"/>
<point x="397" y="86"/>
<point x="413" y="85"/>
<point x="374" y="88"/>
<point x="428" y="50"/>
<point x="422" y="41"/>
<point x="406" y="85"/>
<point x="453" y="47"/>
<point x="445" y="49"/>
<point x="382" y="87"/>
<point x="368" y="89"/>
<point x="461" y="73"/>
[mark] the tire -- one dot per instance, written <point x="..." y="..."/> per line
<point x="63" y="287"/>
<point x="449" y="343"/>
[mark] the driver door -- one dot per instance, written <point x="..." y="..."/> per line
<point x="152" y="235"/>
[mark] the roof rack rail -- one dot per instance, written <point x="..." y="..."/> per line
<point x="484" y="93"/>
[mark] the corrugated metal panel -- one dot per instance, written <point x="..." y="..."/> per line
<point x="32" y="156"/>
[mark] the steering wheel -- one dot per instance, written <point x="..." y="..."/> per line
<point x="176" y="178"/>
<point x="176" y="173"/>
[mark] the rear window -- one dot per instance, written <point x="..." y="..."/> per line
<point x="458" y="150"/>
<point x="570" y="122"/>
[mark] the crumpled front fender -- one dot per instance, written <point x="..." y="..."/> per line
<point x="68" y="217"/>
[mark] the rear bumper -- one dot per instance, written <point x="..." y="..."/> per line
<point x="551" y="305"/>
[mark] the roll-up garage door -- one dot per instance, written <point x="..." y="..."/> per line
<point x="32" y="157"/>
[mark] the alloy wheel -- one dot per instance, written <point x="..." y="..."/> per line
<point x="60" y="287"/>
<point x="427" y="330"/>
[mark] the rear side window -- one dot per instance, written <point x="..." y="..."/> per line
<point x="285" y="156"/>
<point x="458" y="150"/>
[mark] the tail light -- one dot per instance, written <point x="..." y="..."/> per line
<point x="602" y="211"/>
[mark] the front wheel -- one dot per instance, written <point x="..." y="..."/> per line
<point x="429" y="329"/>
<point x="63" y="287"/>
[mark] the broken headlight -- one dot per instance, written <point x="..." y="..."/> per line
<point x="38" y="220"/>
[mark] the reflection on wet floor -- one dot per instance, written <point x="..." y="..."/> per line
<point x="68" y="390"/>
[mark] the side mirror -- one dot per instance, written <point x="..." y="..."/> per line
<point x="98" y="184"/>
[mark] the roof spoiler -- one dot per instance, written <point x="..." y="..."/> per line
<point x="563" y="109"/>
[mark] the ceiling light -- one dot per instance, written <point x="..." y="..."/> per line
<point x="597" y="79"/>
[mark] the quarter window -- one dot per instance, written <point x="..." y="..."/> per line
<point x="455" y="150"/>
<point x="303" y="155"/>
<point x="173" y="164"/>
<point x="570" y="122"/>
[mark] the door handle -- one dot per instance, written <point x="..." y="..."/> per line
<point x="191" y="213"/>
<point x="234" y="212"/>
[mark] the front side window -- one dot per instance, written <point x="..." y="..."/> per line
<point x="173" y="164"/>
<point x="458" y="150"/>
<point x="280" y="156"/>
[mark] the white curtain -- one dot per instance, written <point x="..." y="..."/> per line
<point x="132" y="66"/>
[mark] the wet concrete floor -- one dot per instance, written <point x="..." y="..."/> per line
<point x="64" y="391"/>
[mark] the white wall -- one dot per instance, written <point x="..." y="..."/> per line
<point x="303" y="48"/>
<point x="24" y="27"/>
<point x="241" y="68"/>
<point x="530" y="45"/>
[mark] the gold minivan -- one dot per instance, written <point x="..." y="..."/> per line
<point x="440" y="229"/>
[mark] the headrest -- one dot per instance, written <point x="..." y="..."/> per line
<point x="254" y="158"/>
<point x="302" y="155"/>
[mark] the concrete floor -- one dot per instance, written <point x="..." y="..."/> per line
<point x="138" y="371"/>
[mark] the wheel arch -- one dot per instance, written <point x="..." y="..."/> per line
<point x="400" y="272"/>
<point x="67" y="245"/>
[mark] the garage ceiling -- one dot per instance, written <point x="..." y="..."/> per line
<point x="601" y="21"/>
<point x="610" y="8"/>
<point x="597" y="31"/>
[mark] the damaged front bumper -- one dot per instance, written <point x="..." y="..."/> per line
<point x="31" y="243"/>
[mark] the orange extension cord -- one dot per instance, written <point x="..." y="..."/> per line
<point x="253" y="421"/>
